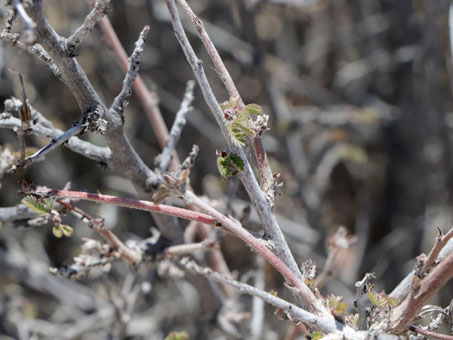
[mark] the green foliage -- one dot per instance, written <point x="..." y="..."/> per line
<point x="336" y="304"/>
<point x="381" y="300"/>
<point x="177" y="336"/>
<point x="229" y="164"/>
<point x="316" y="335"/>
<point x="39" y="206"/>
<point x="238" y="127"/>
<point x="60" y="230"/>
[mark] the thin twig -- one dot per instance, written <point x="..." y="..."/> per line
<point x="134" y="61"/>
<point x="29" y="36"/>
<point x="125" y="252"/>
<point x="441" y="241"/>
<point x="257" y="322"/>
<point x="293" y="312"/>
<point x="431" y="334"/>
<point x="190" y="248"/>
<point x="25" y="118"/>
<point x="97" y="153"/>
<point x="178" y="125"/>
<point x="148" y="99"/>
<point x="101" y="8"/>
<point x="41" y="153"/>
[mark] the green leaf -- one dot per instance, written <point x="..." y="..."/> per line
<point x="177" y="336"/>
<point x="224" y="167"/>
<point x="67" y="230"/>
<point x="57" y="231"/>
<point x="316" y="335"/>
<point x="237" y="161"/>
<point x="254" y="109"/>
<point x="41" y="206"/>
<point x="392" y="301"/>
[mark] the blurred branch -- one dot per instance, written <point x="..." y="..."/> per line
<point x="292" y="312"/>
<point x="101" y="8"/>
<point x="29" y="35"/>
<point x="185" y="249"/>
<point x="178" y="125"/>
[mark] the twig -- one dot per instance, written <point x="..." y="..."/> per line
<point x="125" y="252"/>
<point x="264" y="170"/>
<point x="148" y="99"/>
<point x="430" y="333"/>
<point x="422" y="291"/>
<point x="361" y="301"/>
<point x="178" y="125"/>
<point x="247" y="177"/>
<point x="25" y="118"/>
<point x="97" y="153"/>
<point x="128" y="203"/>
<point x="441" y="241"/>
<point x="293" y="312"/>
<point x="337" y="242"/>
<point x="101" y="8"/>
<point x="29" y="36"/>
<point x="189" y="248"/>
<point x="35" y="49"/>
<point x="256" y="324"/>
<point x="41" y="153"/>
<point x="132" y="72"/>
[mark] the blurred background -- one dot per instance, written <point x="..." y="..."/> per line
<point x="359" y="98"/>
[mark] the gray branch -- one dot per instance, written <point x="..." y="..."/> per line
<point x="120" y="102"/>
<point x="290" y="311"/>
<point x="247" y="176"/>
<point x="178" y="125"/>
<point x="101" y="8"/>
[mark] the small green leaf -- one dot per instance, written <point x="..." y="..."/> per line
<point x="224" y="167"/>
<point x="41" y="206"/>
<point x="67" y="230"/>
<point x="177" y="336"/>
<point x="254" y="109"/>
<point x="57" y="231"/>
<point x="237" y="161"/>
<point x="316" y="335"/>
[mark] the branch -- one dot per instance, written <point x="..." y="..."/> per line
<point x="97" y="153"/>
<point x="190" y="248"/>
<point x="178" y="125"/>
<point x="101" y="8"/>
<point x="132" y="72"/>
<point x="430" y="334"/>
<point x="131" y="256"/>
<point x="264" y="170"/>
<point x="35" y="49"/>
<point x="29" y="35"/>
<point x="247" y="177"/>
<point x="293" y="312"/>
<point x="208" y="216"/>
<point x="148" y="99"/>
<point x="422" y="291"/>
<point x="441" y="241"/>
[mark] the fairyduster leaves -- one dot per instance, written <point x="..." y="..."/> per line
<point x="239" y="126"/>
<point x="41" y="206"/>
<point x="229" y="164"/>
